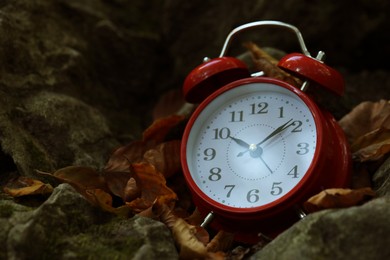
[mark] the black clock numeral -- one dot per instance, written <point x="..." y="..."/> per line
<point x="293" y="172"/>
<point x="281" y="112"/>
<point x="237" y="116"/>
<point x="252" y="196"/>
<point x="222" y="133"/>
<point x="259" y="108"/>
<point x="298" y="126"/>
<point x="276" y="189"/>
<point x="230" y="189"/>
<point x="215" y="174"/>
<point x="303" y="148"/>
<point x="209" y="154"/>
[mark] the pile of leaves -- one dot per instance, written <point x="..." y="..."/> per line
<point x="144" y="177"/>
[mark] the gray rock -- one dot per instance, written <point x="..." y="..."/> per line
<point x="361" y="232"/>
<point x="381" y="179"/>
<point x="66" y="226"/>
<point x="47" y="131"/>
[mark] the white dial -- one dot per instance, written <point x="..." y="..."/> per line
<point x="251" y="145"/>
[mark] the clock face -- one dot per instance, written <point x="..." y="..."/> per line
<point x="251" y="145"/>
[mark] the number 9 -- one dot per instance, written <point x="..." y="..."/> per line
<point x="209" y="153"/>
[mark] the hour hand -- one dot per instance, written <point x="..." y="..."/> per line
<point x="240" y="142"/>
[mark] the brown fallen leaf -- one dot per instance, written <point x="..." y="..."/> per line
<point x="117" y="182"/>
<point x="338" y="198"/>
<point x="152" y="185"/>
<point x="161" y="212"/>
<point x="365" y="118"/>
<point x="372" y="146"/>
<point x="267" y="64"/>
<point x="131" y="190"/>
<point x="221" y="242"/>
<point x="165" y="157"/>
<point x="185" y="236"/>
<point x="124" y="156"/>
<point x="80" y="177"/>
<point x="24" y="186"/>
<point x="171" y="103"/>
<point x="159" y="129"/>
<point x="103" y="200"/>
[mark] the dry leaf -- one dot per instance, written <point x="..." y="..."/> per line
<point x="152" y="185"/>
<point x="171" y="103"/>
<point x="267" y="64"/>
<point x="185" y="236"/>
<point x="131" y="191"/>
<point x="221" y="242"/>
<point x="166" y="215"/>
<point x="372" y="146"/>
<point x="117" y="183"/>
<point x="338" y="198"/>
<point x="165" y="157"/>
<point x="365" y="118"/>
<point x="216" y="256"/>
<point x="24" y="186"/>
<point x="195" y="218"/>
<point x="80" y="177"/>
<point x="162" y="212"/>
<point x="123" y="157"/>
<point x="103" y="200"/>
<point x="158" y="131"/>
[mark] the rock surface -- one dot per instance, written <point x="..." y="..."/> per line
<point x="66" y="226"/>
<point x="353" y="233"/>
<point x="79" y="78"/>
<point x="381" y="179"/>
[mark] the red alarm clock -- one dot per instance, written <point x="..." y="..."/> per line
<point x="256" y="147"/>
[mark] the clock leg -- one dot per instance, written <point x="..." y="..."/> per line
<point x="300" y="212"/>
<point x="207" y="220"/>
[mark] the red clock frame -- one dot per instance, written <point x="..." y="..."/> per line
<point x="330" y="168"/>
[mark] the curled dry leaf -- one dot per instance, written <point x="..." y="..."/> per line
<point x="162" y="212"/>
<point x="338" y="198"/>
<point x="185" y="236"/>
<point x="367" y="128"/>
<point x="165" y="157"/>
<point x="171" y="103"/>
<point x="131" y="190"/>
<point x="365" y="118"/>
<point x="117" y="182"/>
<point x="80" y="177"/>
<point x="372" y="146"/>
<point x="159" y="129"/>
<point x="221" y="242"/>
<point x="103" y="200"/>
<point x="23" y="186"/>
<point x="123" y="157"/>
<point x="152" y="185"/>
<point x="195" y="218"/>
<point x="267" y="64"/>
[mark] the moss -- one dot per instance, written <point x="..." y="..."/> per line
<point x="8" y="208"/>
<point x="97" y="246"/>
<point x="97" y="242"/>
<point x="6" y="211"/>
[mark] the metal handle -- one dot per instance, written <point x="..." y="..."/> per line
<point x="265" y="23"/>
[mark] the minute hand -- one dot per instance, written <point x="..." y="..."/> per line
<point x="276" y="131"/>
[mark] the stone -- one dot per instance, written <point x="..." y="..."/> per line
<point x="381" y="179"/>
<point x="48" y="130"/>
<point x="360" y="232"/>
<point x="67" y="226"/>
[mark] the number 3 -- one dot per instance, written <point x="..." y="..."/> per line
<point x="303" y="148"/>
